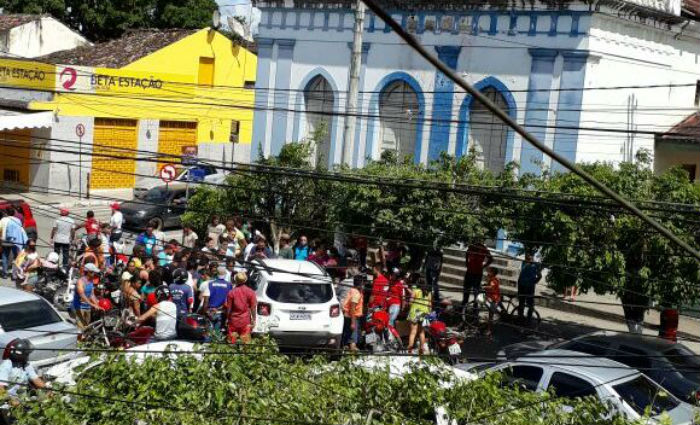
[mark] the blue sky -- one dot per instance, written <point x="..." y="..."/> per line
<point x="240" y="8"/>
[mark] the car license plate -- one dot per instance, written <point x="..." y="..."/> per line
<point x="454" y="349"/>
<point x="371" y="338"/>
<point x="300" y="316"/>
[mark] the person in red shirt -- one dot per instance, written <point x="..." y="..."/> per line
<point x="493" y="295"/>
<point x="396" y="301"/>
<point x="240" y="305"/>
<point x="380" y="288"/>
<point x="478" y="257"/>
<point x="91" y="225"/>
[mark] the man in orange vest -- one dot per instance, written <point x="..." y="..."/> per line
<point x="352" y="312"/>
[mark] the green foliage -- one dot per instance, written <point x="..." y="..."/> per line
<point x="256" y="384"/>
<point x="596" y="249"/>
<point x="107" y="19"/>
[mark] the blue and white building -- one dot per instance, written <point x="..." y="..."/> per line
<point x="531" y="58"/>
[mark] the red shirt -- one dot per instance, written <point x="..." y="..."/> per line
<point x="92" y="226"/>
<point x="476" y="254"/>
<point x="240" y="301"/>
<point x="380" y="291"/>
<point x="396" y="291"/>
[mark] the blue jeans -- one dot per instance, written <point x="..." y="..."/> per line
<point x="6" y="258"/>
<point x="394" y="311"/>
<point x="217" y="319"/>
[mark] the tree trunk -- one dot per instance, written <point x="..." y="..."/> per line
<point x="275" y="233"/>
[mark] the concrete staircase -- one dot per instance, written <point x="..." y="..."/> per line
<point x="453" y="269"/>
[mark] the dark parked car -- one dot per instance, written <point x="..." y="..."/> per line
<point x="671" y="365"/>
<point x="163" y="204"/>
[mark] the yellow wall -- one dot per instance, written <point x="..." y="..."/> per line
<point x="177" y="65"/>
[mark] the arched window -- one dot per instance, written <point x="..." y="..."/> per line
<point x="487" y="134"/>
<point x="319" y="97"/>
<point x="398" y="116"/>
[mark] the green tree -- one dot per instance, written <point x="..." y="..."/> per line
<point x="184" y="13"/>
<point x="279" y="202"/>
<point x="256" y="384"/>
<point x="597" y="246"/>
<point x="56" y="8"/>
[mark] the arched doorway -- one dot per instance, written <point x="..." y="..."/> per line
<point x="399" y="112"/>
<point x="318" y="101"/>
<point x="487" y="133"/>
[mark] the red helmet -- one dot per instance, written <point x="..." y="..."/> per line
<point x="151" y="299"/>
<point x="438" y="327"/>
<point x="105" y="304"/>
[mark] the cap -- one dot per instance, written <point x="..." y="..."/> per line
<point x="63" y="211"/>
<point x="91" y="267"/>
<point x="241" y="277"/>
<point x="221" y="271"/>
<point x="114" y="205"/>
<point x="127" y="276"/>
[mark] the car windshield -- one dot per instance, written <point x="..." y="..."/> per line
<point x="686" y="361"/>
<point x="27" y="314"/>
<point x="641" y="393"/>
<point x="157" y="194"/>
<point x="300" y="292"/>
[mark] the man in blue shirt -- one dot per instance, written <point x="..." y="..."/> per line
<point x="214" y="296"/>
<point x="530" y="274"/>
<point x="181" y="293"/>
<point x="301" y="248"/>
<point x="148" y="240"/>
<point x="16" y="374"/>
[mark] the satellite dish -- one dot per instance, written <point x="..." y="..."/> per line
<point x="216" y="19"/>
<point x="238" y="28"/>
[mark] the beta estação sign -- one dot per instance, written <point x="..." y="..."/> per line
<point x="117" y="81"/>
<point x="27" y="74"/>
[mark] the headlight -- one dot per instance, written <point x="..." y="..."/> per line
<point x="141" y="213"/>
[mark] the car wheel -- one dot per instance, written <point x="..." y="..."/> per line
<point x="158" y="222"/>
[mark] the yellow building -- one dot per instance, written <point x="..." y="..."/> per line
<point x="151" y="91"/>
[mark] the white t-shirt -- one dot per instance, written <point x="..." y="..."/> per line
<point x="64" y="228"/>
<point x="215" y="232"/>
<point x="204" y="289"/>
<point x="116" y="220"/>
<point x="166" y="320"/>
<point x="105" y="244"/>
<point x="18" y="376"/>
<point x="189" y="240"/>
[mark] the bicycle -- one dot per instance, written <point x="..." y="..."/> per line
<point x="512" y="303"/>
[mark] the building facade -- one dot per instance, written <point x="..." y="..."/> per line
<point x="532" y="61"/>
<point x="30" y="36"/>
<point x="114" y="107"/>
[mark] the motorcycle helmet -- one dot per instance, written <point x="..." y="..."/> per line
<point x="105" y="304"/>
<point x="52" y="258"/>
<point x="180" y="276"/>
<point x="162" y="293"/>
<point x="18" y="351"/>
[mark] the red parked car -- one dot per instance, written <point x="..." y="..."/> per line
<point x="24" y="208"/>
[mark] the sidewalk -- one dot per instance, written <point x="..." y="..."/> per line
<point x="97" y="198"/>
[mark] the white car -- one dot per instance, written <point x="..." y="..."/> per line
<point x="193" y="174"/>
<point x="573" y="374"/>
<point x="297" y="304"/>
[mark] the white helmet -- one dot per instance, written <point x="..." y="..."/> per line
<point x="52" y="257"/>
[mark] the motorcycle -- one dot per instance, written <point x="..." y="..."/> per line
<point x="116" y="329"/>
<point x="63" y="297"/>
<point x="442" y="340"/>
<point x="379" y="335"/>
<point x="49" y="282"/>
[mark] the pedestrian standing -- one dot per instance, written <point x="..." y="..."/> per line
<point x="530" y="274"/>
<point x="84" y="299"/>
<point x="215" y="230"/>
<point x="397" y="296"/>
<point x="352" y="313"/>
<point x="433" y="267"/>
<point x="14" y="238"/>
<point x="214" y="297"/>
<point x="148" y="240"/>
<point x="181" y="293"/>
<point x="420" y="306"/>
<point x="189" y="237"/>
<point x="477" y="258"/>
<point x="286" y="250"/>
<point x="493" y="296"/>
<point x="240" y="306"/>
<point x="301" y="248"/>
<point x="105" y="238"/>
<point x="380" y="288"/>
<point x="115" y="222"/>
<point x="62" y="235"/>
<point x="91" y="225"/>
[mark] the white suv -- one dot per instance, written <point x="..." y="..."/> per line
<point x="297" y="303"/>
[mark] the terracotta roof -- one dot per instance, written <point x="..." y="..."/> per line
<point x="687" y="130"/>
<point x="132" y="46"/>
<point x="11" y="21"/>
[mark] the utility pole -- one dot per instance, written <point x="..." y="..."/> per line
<point x="353" y="84"/>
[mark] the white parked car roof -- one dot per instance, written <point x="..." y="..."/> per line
<point x="600" y="369"/>
<point x="290" y="271"/>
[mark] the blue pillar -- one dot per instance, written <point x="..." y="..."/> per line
<point x="285" y="52"/>
<point x="360" y="101"/>
<point x="537" y="107"/>
<point x="262" y="82"/>
<point x="442" y="103"/>
<point x="569" y="105"/>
